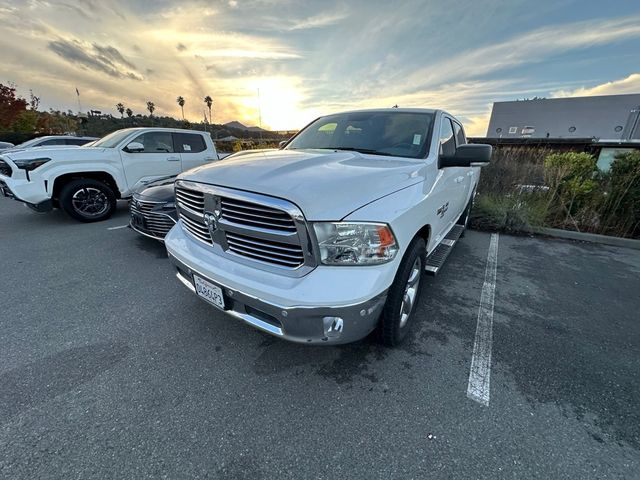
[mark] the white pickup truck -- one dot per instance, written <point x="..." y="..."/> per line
<point x="86" y="182"/>
<point x="326" y="239"/>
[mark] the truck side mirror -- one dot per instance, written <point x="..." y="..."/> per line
<point x="468" y="155"/>
<point x="282" y="144"/>
<point x="134" y="147"/>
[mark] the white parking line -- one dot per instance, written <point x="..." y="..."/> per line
<point x="118" y="228"/>
<point x="480" y="374"/>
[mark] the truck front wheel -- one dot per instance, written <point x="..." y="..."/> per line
<point x="88" y="200"/>
<point x="403" y="295"/>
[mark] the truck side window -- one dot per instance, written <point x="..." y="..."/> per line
<point x="460" y="138"/>
<point x="447" y="139"/>
<point x="189" y="143"/>
<point x="156" y="142"/>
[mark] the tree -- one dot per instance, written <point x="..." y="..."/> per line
<point x="129" y="112"/>
<point x="34" y="101"/>
<point x="120" y="108"/>
<point x="151" y="107"/>
<point x="11" y="106"/>
<point x="209" y="102"/>
<point x="180" y="101"/>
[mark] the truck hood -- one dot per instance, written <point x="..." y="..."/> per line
<point x="54" y="153"/>
<point x="324" y="184"/>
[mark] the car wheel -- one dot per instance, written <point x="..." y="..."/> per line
<point x="398" y="312"/>
<point x="88" y="200"/>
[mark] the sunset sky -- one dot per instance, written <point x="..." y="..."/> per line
<point x="309" y="58"/>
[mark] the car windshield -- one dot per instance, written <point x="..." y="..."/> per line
<point x="112" y="140"/>
<point x="401" y="134"/>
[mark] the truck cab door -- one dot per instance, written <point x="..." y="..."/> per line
<point x="193" y="150"/>
<point x="450" y="197"/>
<point x="472" y="173"/>
<point x="150" y="156"/>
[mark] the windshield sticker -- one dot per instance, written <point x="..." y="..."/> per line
<point x="416" y="139"/>
<point x="186" y="148"/>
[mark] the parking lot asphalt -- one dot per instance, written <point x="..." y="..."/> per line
<point x="110" y="368"/>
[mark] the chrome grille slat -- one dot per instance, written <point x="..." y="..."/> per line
<point x="250" y="214"/>
<point x="234" y="245"/>
<point x="265" y="258"/>
<point x="257" y="223"/>
<point x="234" y="237"/>
<point x="155" y="222"/>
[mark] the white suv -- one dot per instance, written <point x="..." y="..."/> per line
<point x="326" y="239"/>
<point x="87" y="181"/>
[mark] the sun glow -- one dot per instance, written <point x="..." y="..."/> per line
<point x="276" y="104"/>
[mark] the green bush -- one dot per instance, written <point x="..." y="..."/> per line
<point x="514" y="213"/>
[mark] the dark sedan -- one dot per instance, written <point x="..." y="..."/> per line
<point x="153" y="209"/>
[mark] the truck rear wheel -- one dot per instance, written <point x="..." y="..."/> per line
<point x="398" y="312"/>
<point x="88" y="200"/>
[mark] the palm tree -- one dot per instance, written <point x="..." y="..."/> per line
<point x="180" y="101"/>
<point x="129" y="112"/>
<point x="151" y="107"/>
<point x="209" y="101"/>
<point x="120" y="108"/>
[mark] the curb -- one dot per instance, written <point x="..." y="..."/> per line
<point x="588" y="237"/>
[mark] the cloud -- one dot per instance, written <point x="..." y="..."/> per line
<point x="181" y="47"/>
<point x="105" y="59"/>
<point x="318" y="21"/>
<point x="630" y="84"/>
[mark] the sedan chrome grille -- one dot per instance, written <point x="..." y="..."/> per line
<point x="255" y="229"/>
<point x="252" y="215"/>
<point x="156" y="223"/>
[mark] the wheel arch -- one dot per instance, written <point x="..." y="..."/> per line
<point x="61" y="180"/>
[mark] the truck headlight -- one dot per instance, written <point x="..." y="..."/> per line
<point x="30" y="163"/>
<point x="351" y="243"/>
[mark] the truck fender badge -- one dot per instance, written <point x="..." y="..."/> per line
<point x="443" y="209"/>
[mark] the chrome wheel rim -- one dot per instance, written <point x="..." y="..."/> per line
<point x="90" y="202"/>
<point x="410" y="292"/>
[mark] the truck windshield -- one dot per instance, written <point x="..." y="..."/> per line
<point x="113" y="139"/>
<point x="400" y="134"/>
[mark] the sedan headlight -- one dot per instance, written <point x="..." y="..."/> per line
<point x="30" y="163"/>
<point x="350" y="243"/>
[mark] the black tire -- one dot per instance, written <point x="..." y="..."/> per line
<point x="393" y="324"/>
<point x="88" y="200"/>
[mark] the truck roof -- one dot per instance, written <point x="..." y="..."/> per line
<point x="164" y="129"/>
<point x="393" y="109"/>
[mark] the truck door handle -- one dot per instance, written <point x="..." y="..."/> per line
<point x="173" y="159"/>
<point x="459" y="179"/>
<point x="210" y="159"/>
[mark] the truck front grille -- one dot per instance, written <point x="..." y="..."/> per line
<point x="157" y="224"/>
<point x="5" y="169"/>
<point x="255" y="227"/>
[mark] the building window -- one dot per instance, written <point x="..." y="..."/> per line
<point x="513" y="130"/>
<point x="572" y="129"/>
<point x="618" y="128"/>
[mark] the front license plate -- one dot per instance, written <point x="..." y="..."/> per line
<point x="210" y="292"/>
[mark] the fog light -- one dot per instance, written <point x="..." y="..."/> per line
<point x="332" y="326"/>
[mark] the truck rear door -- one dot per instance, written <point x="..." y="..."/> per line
<point x="193" y="150"/>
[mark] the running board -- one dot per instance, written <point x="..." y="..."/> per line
<point x="436" y="259"/>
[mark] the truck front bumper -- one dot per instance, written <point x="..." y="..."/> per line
<point x="300" y="317"/>
<point x="23" y="190"/>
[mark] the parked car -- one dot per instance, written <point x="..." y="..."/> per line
<point x="326" y="240"/>
<point x="5" y="145"/>
<point x="53" y="141"/>
<point x="86" y="182"/>
<point x="153" y="209"/>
